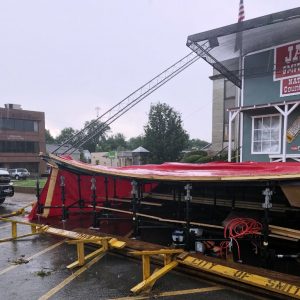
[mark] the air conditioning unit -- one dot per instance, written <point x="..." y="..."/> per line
<point x="12" y="106"/>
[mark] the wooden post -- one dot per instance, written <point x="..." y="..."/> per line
<point x="13" y="229"/>
<point x="167" y="259"/>
<point x="38" y="197"/>
<point x="188" y="199"/>
<point x="80" y="253"/>
<point x="146" y="266"/>
<point x="106" y="203"/>
<point x="33" y="229"/>
<point x="80" y="201"/>
<point x="134" y="193"/>
<point x="95" y="215"/>
<point x="63" y="198"/>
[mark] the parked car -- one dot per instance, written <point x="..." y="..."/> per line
<point x="6" y="186"/>
<point x="19" y="173"/>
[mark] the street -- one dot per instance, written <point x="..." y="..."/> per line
<point x="35" y="268"/>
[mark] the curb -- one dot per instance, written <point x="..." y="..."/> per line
<point x="26" y="190"/>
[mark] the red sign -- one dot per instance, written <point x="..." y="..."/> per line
<point x="290" y="86"/>
<point x="287" y="61"/>
<point x="295" y="148"/>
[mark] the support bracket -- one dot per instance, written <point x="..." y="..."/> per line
<point x="149" y="279"/>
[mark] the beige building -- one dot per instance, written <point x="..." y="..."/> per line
<point x="112" y="159"/>
<point x="224" y="97"/>
<point x="120" y="158"/>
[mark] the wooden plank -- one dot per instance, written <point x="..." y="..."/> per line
<point x="264" y="282"/>
<point x="80" y="253"/>
<point x="224" y="202"/>
<point x="146" y="266"/>
<point x="129" y="201"/>
<point x="292" y="193"/>
<point x="116" y="244"/>
<point x="157" y="252"/>
<point x="50" y="192"/>
<point x="18" y="237"/>
<point x="285" y="233"/>
<point x="138" y="245"/>
<point x="154" y="277"/>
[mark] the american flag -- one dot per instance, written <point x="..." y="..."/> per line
<point x="239" y="34"/>
<point x="241" y="12"/>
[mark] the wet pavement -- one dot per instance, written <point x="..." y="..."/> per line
<point x="35" y="268"/>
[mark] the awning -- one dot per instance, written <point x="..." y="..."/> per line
<point x="223" y="46"/>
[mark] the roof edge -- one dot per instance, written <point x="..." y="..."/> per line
<point x="246" y="25"/>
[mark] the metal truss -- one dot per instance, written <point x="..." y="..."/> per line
<point x="102" y="122"/>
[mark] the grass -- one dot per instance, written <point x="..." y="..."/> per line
<point x="42" y="273"/>
<point x="29" y="182"/>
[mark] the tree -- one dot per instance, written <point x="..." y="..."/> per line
<point x="115" y="142"/>
<point x="49" y="138"/>
<point x="65" y="134"/>
<point x="135" y="142"/>
<point x="96" y="133"/>
<point x="165" y="137"/>
<point x="196" y="144"/>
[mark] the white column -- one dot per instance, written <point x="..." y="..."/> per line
<point x="285" y="114"/>
<point x="229" y="137"/>
<point x="231" y="118"/>
<point x="285" y="119"/>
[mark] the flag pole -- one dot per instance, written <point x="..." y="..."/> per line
<point x="239" y="47"/>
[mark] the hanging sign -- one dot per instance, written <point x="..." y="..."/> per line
<point x="290" y="86"/>
<point x="287" y="61"/>
<point x="287" y="68"/>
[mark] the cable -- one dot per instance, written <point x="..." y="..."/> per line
<point x="238" y="228"/>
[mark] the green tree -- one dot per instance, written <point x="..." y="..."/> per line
<point x="115" y="142"/>
<point x="135" y="142"/>
<point x="49" y="138"/>
<point x="165" y="137"/>
<point x="96" y="133"/>
<point x="65" y="134"/>
<point x="196" y="144"/>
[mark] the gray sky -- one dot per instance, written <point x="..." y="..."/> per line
<point x="67" y="57"/>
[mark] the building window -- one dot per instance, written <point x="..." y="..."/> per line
<point x="266" y="134"/>
<point x="19" y="125"/>
<point x="19" y="147"/>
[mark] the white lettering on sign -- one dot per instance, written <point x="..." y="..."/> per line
<point x="293" y="54"/>
<point x="290" y="86"/>
<point x="287" y="61"/>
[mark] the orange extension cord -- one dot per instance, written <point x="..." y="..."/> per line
<point x="237" y="228"/>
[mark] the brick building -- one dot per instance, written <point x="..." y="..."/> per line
<point x="22" y="138"/>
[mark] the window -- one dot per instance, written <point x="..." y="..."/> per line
<point x="19" y="147"/>
<point x="266" y="134"/>
<point x="19" y="125"/>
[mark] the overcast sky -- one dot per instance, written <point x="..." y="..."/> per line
<point x="67" y="57"/>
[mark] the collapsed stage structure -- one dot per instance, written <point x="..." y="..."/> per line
<point x="234" y="206"/>
<point x="250" y="209"/>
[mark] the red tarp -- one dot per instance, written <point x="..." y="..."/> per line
<point x="215" y="171"/>
<point x="196" y="172"/>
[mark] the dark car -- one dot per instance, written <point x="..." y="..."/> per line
<point x="6" y="186"/>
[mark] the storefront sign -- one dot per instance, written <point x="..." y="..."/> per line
<point x="287" y="61"/>
<point x="290" y="86"/>
<point x="287" y="68"/>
